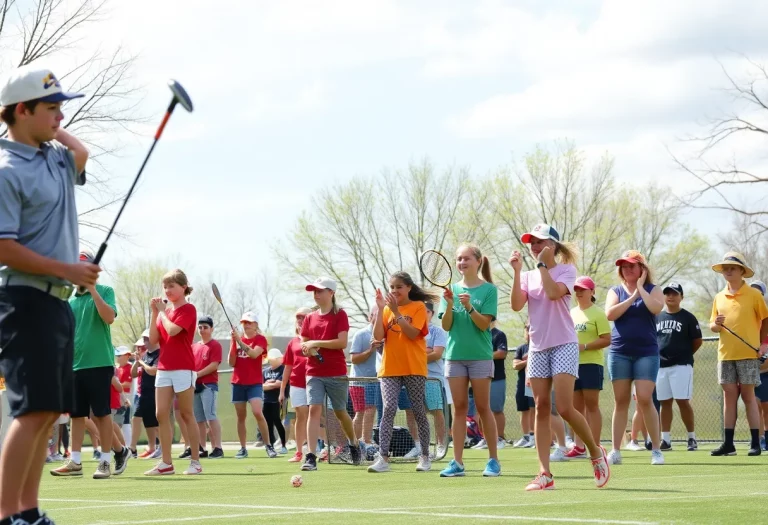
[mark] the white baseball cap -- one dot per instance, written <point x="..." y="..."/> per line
<point x="274" y="353"/>
<point x="145" y="333"/>
<point x="140" y="342"/>
<point x="32" y="82"/>
<point x="122" y="350"/>
<point x="251" y="317"/>
<point x="322" y="283"/>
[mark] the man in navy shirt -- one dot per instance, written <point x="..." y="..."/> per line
<point x="679" y="337"/>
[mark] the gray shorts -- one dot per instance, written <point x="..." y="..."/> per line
<point x="743" y="371"/>
<point x="205" y="404"/>
<point x="471" y="368"/>
<point x="121" y="416"/>
<point x="334" y="387"/>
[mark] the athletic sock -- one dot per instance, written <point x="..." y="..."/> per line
<point x="30" y="515"/>
<point x="106" y="456"/>
<point x="665" y="436"/>
<point x="76" y="457"/>
<point x="530" y="435"/>
<point x="755" y="437"/>
<point x="729" y="437"/>
<point x="691" y="435"/>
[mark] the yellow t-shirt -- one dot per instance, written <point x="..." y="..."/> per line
<point x="403" y="356"/>
<point x="744" y="312"/>
<point x="590" y="325"/>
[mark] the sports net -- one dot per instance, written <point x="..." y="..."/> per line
<point x="404" y="445"/>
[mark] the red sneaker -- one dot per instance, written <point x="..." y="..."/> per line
<point x="541" y="482"/>
<point x="146" y="453"/>
<point x="576" y="452"/>
<point x="297" y="457"/>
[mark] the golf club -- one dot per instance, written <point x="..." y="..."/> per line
<point x="179" y="97"/>
<point x="737" y="336"/>
<point x="217" y="295"/>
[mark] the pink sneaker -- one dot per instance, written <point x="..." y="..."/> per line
<point x="576" y="452"/>
<point x="602" y="469"/>
<point x="161" y="469"/>
<point x="297" y="457"/>
<point x="541" y="482"/>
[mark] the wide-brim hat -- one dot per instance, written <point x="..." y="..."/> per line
<point x="737" y="259"/>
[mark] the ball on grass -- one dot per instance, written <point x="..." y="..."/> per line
<point x="296" y="481"/>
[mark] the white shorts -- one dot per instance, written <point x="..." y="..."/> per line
<point x="298" y="397"/>
<point x="447" y="389"/>
<point x="675" y="382"/>
<point x="180" y="380"/>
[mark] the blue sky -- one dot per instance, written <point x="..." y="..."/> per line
<point x="294" y="96"/>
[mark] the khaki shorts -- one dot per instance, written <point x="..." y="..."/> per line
<point x="743" y="371"/>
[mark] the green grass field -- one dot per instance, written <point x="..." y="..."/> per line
<point x="691" y="488"/>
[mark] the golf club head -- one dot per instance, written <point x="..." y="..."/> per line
<point x="180" y="94"/>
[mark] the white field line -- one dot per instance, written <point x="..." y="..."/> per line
<point x="201" y="518"/>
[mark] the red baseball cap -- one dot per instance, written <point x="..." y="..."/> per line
<point x="585" y="283"/>
<point x="632" y="257"/>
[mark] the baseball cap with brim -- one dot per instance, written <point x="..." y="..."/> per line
<point x="122" y="350"/>
<point x="734" y="258"/>
<point x="322" y="283"/>
<point x="541" y="231"/>
<point x="760" y="285"/>
<point x="249" y="317"/>
<point x="31" y="82"/>
<point x="145" y="333"/>
<point x="585" y="283"/>
<point x="87" y="255"/>
<point x="140" y="342"/>
<point x="631" y="257"/>
<point x="673" y="287"/>
<point x="274" y="353"/>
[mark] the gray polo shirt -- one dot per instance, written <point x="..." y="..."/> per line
<point x="37" y="201"/>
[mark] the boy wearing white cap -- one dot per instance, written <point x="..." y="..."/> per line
<point x="40" y="164"/>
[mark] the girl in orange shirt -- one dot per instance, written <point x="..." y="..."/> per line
<point x="401" y="322"/>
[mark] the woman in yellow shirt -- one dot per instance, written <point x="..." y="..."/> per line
<point x="401" y="322"/>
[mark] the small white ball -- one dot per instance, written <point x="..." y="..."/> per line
<point x="296" y="481"/>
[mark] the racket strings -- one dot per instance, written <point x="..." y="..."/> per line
<point x="436" y="268"/>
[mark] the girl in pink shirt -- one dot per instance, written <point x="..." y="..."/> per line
<point x="553" y="356"/>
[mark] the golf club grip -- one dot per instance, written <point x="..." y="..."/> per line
<point x="100" y="254"/>
<point x="320" y="358"/>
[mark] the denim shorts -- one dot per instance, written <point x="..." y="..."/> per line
<point x="762" y="391"/>
<point x="334" y="387"/>
<point x="205" y="403"/>
<point x="244" y="393"/>
<point x="403" y="401"/>
<point x="644" y="368"/>
<point x="498" y="395"/>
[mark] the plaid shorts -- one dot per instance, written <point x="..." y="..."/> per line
<point x="743" y="371"/>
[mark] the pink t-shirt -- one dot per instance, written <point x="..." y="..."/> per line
<point x="550" y="321"/>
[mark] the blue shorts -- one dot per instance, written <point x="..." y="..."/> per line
<point x="434" y="395"/>
<point x="244" y="393"/>
<point x="498" y="395"/>
<point x="403" y="402"/>
<point x="644" y="368"/>
<point x="590" y="378"/>
<point x="762" y="391"/>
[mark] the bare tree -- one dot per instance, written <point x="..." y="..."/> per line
<point x="50" y="28"/>
<point x="135" y="284"/>
<point x="746" y="122"/>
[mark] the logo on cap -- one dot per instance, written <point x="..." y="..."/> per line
<point x="49" y="81"/>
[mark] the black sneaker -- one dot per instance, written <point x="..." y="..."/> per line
<point x="186" y="454"/>
<point x="135" y="453"/>
<point x="354" y="453"/>
<point x="310" y="463"/>
<point x="665" y="445"/>
<point x="724" y="450"/>
<point x="203" y="452"/>
<point x="692" y="445"/>
<point x="216" y="453"/>
<point x="754" y="451"/>
<point x="121" y="461"/>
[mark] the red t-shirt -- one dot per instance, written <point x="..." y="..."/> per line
<point x="247" y="370"/>
<point x="205" y="354"/>
<point x="298" y="362"/>
<point x="124" y="375"/>
<point x="318" y="327"/>
<point x="114" y="396"/>
<point x="176" y="352"/>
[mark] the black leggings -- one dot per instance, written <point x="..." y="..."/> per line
<point x="272" y="415"/>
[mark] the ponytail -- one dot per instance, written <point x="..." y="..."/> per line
<point x="568" y="252"/>
<point x="335" y="308"/>
<point x="417" y="293"/>
<point x="485" y="269"/>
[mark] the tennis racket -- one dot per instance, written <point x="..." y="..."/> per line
<point x="435" y="268"/>
<point x="737" y="336"/>
<point x="217" y="295"/>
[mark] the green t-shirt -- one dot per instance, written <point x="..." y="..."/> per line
<point x="590" y="325"/>
<point x="465" y="340"/>
<point x="93" y="337"/>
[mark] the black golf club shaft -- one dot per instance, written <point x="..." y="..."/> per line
<point x="737" y="336"/>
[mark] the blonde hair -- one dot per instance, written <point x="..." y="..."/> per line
<point x="567" y="251"/>
<point x="178" y="277"/>
<point x="485" y="264"/>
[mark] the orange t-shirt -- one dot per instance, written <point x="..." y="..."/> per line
<point x="403" y="356"/>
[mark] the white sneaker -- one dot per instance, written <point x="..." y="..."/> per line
<point x="657" y="458"/>
<point x="531" y="443"/>
<point x="425" y="465"/>
<point x="414" y="452"/>
<point x="103" y="471"/>
<point x="634" y="446"/>
<point x="558" y="455"/>
<point x="157" y="454"/>
<point x="569" y="443"/>
<point x="441" y="451"/>
<point x="521" y="443"/>
<point x="194" y="468"/>
<point x="481" y="445"/>
<point x="381" y="466"/>
<point x="501" y="443"/>
<point x="614" y="457"/>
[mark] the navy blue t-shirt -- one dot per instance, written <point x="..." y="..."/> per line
<point x="273" y="396"/>
<point x="499" y="339"/>
<point x="148" y="381"/>
<point x="676" y="333"/>
<point x="520" y="353"/>
<point x="634" y="333"/>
